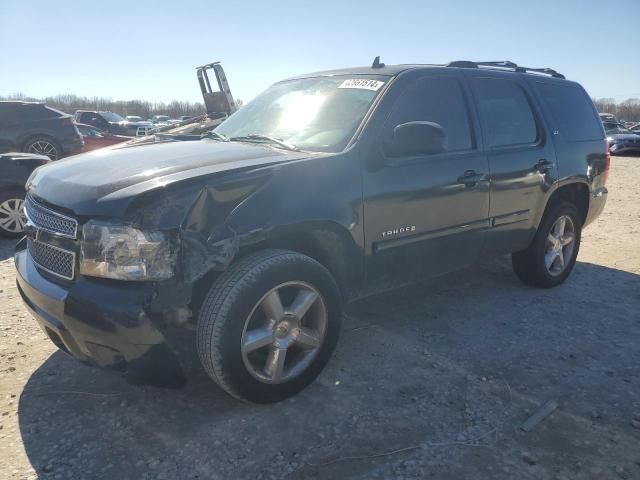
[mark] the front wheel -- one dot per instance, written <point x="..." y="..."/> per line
<point x="268" y="325"/>
<point x="550" y="258"/>
<point x="12" y="218"/>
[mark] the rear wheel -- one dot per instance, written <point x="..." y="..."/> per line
<point x="12" y="218"/>
<point x="44" y="146"/>
<point x="268" y="325"/>
<point x="550" y="258"/>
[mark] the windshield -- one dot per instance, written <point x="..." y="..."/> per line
<point x="612" y="128"/>
<point x="111" y="117"/>
<point x="318" y="114"/>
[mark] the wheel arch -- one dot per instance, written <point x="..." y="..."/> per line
<point x="576" y="192"/>
<point x="328" y="243"/>
<point x="31" y="135"/>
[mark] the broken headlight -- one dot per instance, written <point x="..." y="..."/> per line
<point x="125" y="253"/>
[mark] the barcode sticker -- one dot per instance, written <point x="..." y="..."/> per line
<point x="364" y="84"/>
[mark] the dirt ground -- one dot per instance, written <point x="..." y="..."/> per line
<point x="432" y="381"/>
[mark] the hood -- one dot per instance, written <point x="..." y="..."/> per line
<point x="113" y="175"/>
<point x="625" y="136"/>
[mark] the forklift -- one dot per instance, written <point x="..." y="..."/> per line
<point x="218" y="102"/>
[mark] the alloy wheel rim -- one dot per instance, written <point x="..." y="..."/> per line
<point x="560" y="245"/>
<point x="12" y="218"/>
<point x="43" y="147"/>
<point x="284" y="332"/>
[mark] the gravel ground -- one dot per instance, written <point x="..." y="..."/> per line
<point x="431" y="381"/>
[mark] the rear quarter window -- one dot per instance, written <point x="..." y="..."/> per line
<point x="572" y="111"/>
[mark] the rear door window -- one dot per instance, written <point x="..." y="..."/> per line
<point x="572" y="111"/>
<point x="505" y="112"/>
<point x="433" y="99"/>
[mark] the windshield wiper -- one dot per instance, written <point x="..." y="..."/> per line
<point x="265" y="138"/>
<point x="215" y="136"/>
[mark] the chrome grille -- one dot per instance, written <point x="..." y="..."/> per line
<point x="45" y="219"/>
<point x="52" y="259"/>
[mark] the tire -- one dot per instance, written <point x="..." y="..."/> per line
<point x="531" y="264"/>
<point x="11" y="202"/>
<point x="237" y="304"/>
<point x="42" y="145"/>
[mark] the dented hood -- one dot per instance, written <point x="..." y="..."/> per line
<point x="115" y="175"/>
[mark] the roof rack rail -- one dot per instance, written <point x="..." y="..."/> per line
<point x="504" y="64"/>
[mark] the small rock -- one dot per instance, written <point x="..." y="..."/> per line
<point x="621" y="472"/>
<point x="635" y="423"/>
<point x="528" y="458"/>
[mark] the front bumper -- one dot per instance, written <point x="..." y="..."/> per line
<point x="100" y="323"/>
<point x="624" y="148"/>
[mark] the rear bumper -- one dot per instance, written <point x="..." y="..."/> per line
<point x="596" y="204"/>
<point x="100" y="324"/>
<point x="73" y="146"/>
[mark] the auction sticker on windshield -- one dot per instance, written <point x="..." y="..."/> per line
<point x="364" y="84"/>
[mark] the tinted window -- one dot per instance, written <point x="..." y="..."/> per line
<point x="572" y="111"/>
<point x="28" y="111"/>
<point x="505" y="112"/>
<point x="438" y="100"/>
<point x="88" y="131"/>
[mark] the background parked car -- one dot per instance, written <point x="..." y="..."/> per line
<point x="621" y="139"/>
<point x="133" y="118"/>
<point x="15" y="169"/>
<point x="159" y="120"/>
<point x="35" y="128"/>
<point x="107" y="121"/>
<point x="110" y="122"/>
<point x="608" y="117"/>
<point x="96" y="138"/>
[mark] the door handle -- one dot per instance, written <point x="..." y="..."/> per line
<point x="470" y="178"/>
<point x="543" y="165"/>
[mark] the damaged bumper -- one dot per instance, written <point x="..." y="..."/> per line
<point x="101" y="323"/>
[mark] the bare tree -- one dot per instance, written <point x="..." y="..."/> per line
<point x="628" y="110"/>
<point x="69" y="103"/>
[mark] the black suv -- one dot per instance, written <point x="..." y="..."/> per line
<point x="109" y="122"/>
<point x="325" y="188"/>
<point x="35" y="128"/>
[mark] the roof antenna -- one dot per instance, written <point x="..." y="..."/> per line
<point x="376" y="63"/>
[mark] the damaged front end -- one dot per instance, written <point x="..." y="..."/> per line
<point x="132" y="291"/>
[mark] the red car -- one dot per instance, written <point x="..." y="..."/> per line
<point x="96" y="138"/>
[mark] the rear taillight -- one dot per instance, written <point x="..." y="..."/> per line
<point x="607" y="166"/>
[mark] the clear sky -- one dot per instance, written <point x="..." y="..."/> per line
<point x="148" y="50"/>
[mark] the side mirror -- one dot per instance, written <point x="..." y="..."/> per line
<point x="418" y="138"/>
